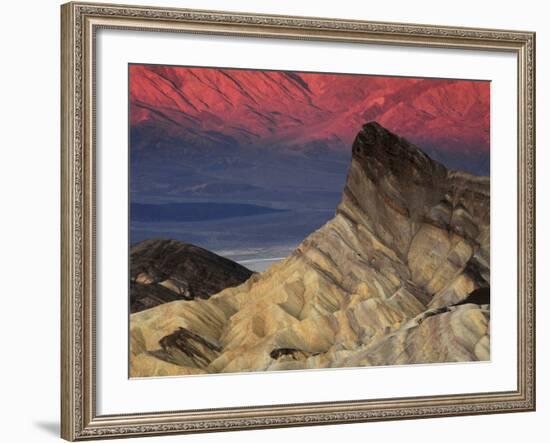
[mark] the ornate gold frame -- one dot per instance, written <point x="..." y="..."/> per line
<point x="79" y="420"/>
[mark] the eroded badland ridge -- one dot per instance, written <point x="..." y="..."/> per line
<point x="400" y="275"/>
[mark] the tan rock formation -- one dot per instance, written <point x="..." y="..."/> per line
<point x="400" y="275"/>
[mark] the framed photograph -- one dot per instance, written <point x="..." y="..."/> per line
<point x="282" y="221"/>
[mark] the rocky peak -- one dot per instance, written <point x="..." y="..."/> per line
<point x="393" y="187"/>
<point x="383" y="153"/>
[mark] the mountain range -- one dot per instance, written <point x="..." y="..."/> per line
<point x="307" y="111"/>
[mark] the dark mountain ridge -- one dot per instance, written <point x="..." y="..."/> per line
<point x="162" y="271"/>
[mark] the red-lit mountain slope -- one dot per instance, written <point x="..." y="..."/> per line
<point x="270" y="108"/>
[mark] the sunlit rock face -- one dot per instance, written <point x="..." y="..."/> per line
<point x="400" y="275"/>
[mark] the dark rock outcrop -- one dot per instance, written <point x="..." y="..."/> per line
<point x="166" y="270"/>
<point x="186" y="348"/>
